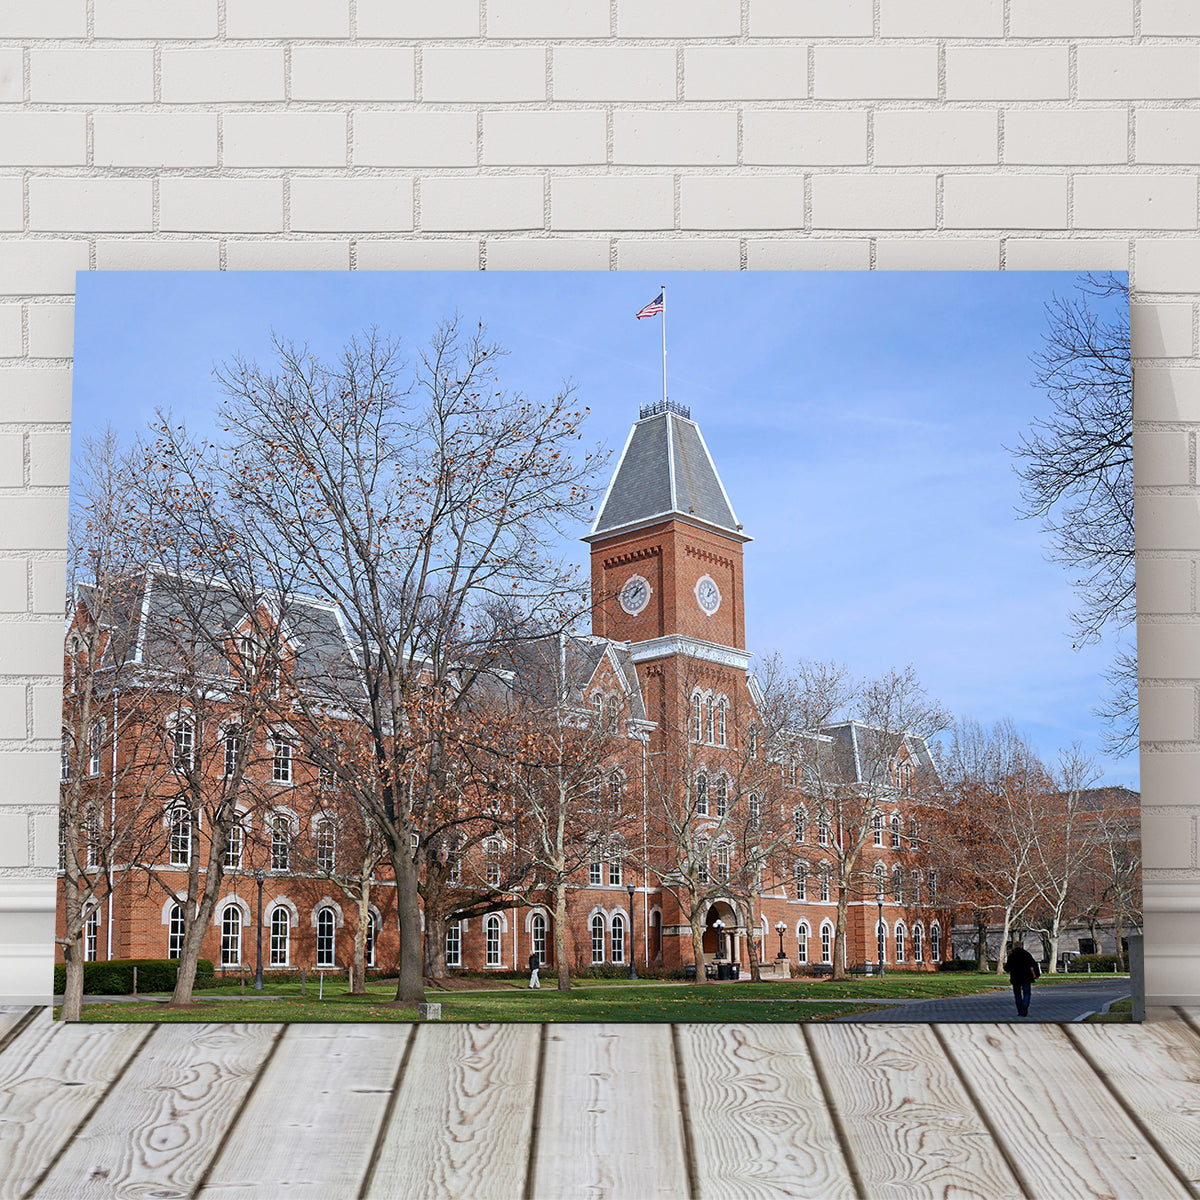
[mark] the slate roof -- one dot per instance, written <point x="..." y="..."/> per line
<point x="539" y="664"/>
<point x="665" y="470"/>
<point x="863" y="752"/>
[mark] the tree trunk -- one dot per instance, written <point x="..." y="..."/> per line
<point x="981" y="963"/>
<point x="189" y="957"/>
<point x="560" y="936"/>
<point x="839" y="937"/>
<point x="72" y="1005"/>
<point x="1003" y="939"/>
<point x="752" y="949"/>
<point x="434" y="952"/>
<point x="358" y="967"/>
<point x="409" y="988"/>
<point x="698" y="944"/>
<point x="1119" y="930"/>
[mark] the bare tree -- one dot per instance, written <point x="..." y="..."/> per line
<point x="1076" y="469"/>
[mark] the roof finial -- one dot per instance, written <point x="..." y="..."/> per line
<point x="662" y="406"/>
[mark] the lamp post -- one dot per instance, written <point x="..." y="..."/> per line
<point x="258" y="878"/>
<point x="879" y="928"/>
<point x="779" y="928"/>
<point x="719" y="926"/>
<point x="632" y="958"/>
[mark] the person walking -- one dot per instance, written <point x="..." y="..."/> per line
<point x="1022" y="970"/>
<point x="534" y="963"/>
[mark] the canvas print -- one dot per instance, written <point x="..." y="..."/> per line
<point x="553" y="647"/>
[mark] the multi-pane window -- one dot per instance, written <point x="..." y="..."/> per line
<point x="597" y="938"/>
<point x="65" y="768"/>
<point x="233" y="847"/>
<point x="181" y="837"/>
<point x="612" y="709"/>
<point x="895" y="831"/>
<point x="898" y="886"/>
<point x="880" y="881"/>
<point x="723" y="861"/>
<point x="491" y="850"/>
<point x="709" y="722"/>
<point x="825" y="884"/>
<point x="281" y="931"/>
<point x="91" y="834"/>
<point x="491" y="938"/>
<point x="899" y="943"/>
<point x="914" y="839"/>
<point x="183" y="745"/>
<point x="935" y="944"/>
<point x="595" y="869"/>
<point x="826" y="943"/>
<point x="231" y="936"/>
<point x="281" y="843"/>
<point x="801" y="880"/>
<point x="614" y="872"/>
<point x="754" y="805"/>
<point x="824" y="833"/>
<point x="791" y="772"/>
<point x="720" y="795"/>
<point x="175" y="932"/>
<point x="62" y="843"/>
<point x="326" y="846"/>
<point x="722" y="724"/>
<point x="281" y="769"/>
<point x="702" y="795"/>
<point x="802" y="942"/>
<point x="95" y="741"/>
<point x="702" y="862"/>
<point x="877" y="829"/>
<point x="697" y="731"/>
<point x="91" y="935"/>
<point x="325" y="937"/>
<point x="799" y="822"/>
<point x="753" y="741"/>
<point x="454" y="943"/>
<point x="537" y="930"/>
<point x="914" y="880"/>
<point x="918" y="947"/>
<point x="233" y="743"/>
<point x="932" y="881"/>
<point x="616" y="790"/>
<point x="372" y="937"/>
<point x="454" y="866"/>
<point x="618" y="938"/>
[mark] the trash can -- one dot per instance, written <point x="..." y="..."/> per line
<point x="724" y="970"/>
<point x="737" y="970"/>
<point x="689" y="972"/>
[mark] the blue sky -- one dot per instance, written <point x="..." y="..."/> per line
<point x="858" y="421"/>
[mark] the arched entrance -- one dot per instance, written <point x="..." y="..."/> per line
<point x="731" y="933"/>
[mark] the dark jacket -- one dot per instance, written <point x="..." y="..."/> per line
<point x="534" y="962"/>
<point x="1021" y="965"/>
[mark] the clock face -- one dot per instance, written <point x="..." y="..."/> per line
<point x="708" y="595"/>
<point x="635" y="595"/>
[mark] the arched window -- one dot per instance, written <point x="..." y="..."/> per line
<point x="932" y="881"/>
<point x="697" y="731"/>
<point x="537" y="936"/>
<point x="877" y="829"/>
<point x="91" y="935"/>
<point x="802" y="937"/>
<point x="326" y="846"/>
<point x="824" y="832"/>
<point x="791" y="772"/>
<point x="702" y="795"/>
<point x="233" y="847"/>
<point x="454" y="943"/>
<point x="491" y="937"/>
<point x="826" y="943"/>
<point x="914" y="880"/>
<point x="825" y="883"/>
<point x="753" y="741"/>
<point x="618" y="938"/>
<point x="918" y="943"/>
<point x="372" y="937"/>
<point x="231" y="936"/>
<point x="281" y="842"/>
<point x="720" y="789"/>
<point x="895" y="831"/>
<point x="709" y="724"/>
<point x="175" y="932"/>
<point x="899" y="943"/>
<point x="935" y="943"/>
<point x="326" y="925"/>
<point x="616" y="790"/>
<point x="598" y="701"/>
<point x="613" y="714"/>
<point x="597" y="938"/>
<point x="801" y="879"/>
<point x="723" y="861"/>
<point x="95" y="742"/>
<point x="181" y="836"/>
<point x="754" y="806"/>
<point x="722" y="723"/>
<point x="281" y="931"/>
<point x="880" y="881"/>
<point x="898" y="886"/>
<point x="799" y="821"/>
<point x="65" y="771"/>
<point x="702" y="861"/>
<point x="914" y="839"/>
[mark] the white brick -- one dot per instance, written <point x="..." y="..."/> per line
<point x="1166" y="394"/>
<point x="1161" y="330"/>
<point x="810" y="18"/>
<point x="1168" y="523"/>
<point x="155" y="18"/>
<point x="358" y="73"/>
<point x="937" y="254"/>
<point x="1166" y="135"/>
<point x="14" y="840"/>
<point x="557" y="138"/>
<point x="1073" y="18"/>
<point x="1052" y="136"/>
<point x="747" y="202"/>
<point x="45" y="840"/>
<point x="1166" y="266"/>
<point x="809" y="254"/>
<point x="745" y="73"/>
<point x="12" y="76"/>
<point x="1169" y="651"/>
<point x="612" y="202"/>
<point x="352" y="205"/>
<point x="170" y="139"/>
<point x="941" y="18"/>
<point x="1164" y="585"/>
<point x="287" y="18"/>
<point x="1004" y="202"/>
<point x="679" y="18"/>
<point x="43" y="139"/>
<point x="35" y="393"/>
<point x="48" y="19"/>
<point x="10" y="331"/>
<point x="47" y="704"/>
<point x="1168" y="840"/>
<point x="467" y="74"/>
<point x="222" y="76"/>
<point x="26" y="522"/>
<point x="679" y="254"/>
<point x="258" y="254"/>
<point x="951" y="136"/>
<point x="1007" y="73"/>
<point x="160" y="254"/>
<point x="97" y="204"/>
<point x="14" y="586"/>
<point x="49" y="587"/>
<point x="875" y="72"/>
<point x="415" y="139"/>
<point x="1170" y="18"/>
<point x="49" y="459"/>
<point x="613" y="73"/>
<point x="12" y="712"/>
<point x="1134" y="202"/>
<point x="1065" y="254"/>
<point x="12" y="215"/>
<point x="873" y="202"/>
<point x="30" y="774"/>
<point x="91" y="76"/>
<point x="1161" y="459"/>
<point x="1138" y="72"/>
<point x="418" y="254"/>
<point x="12" y="460"/>
<point x="51" y="330"/>
<point x="494" y="202"/>
<point x="190" y="204"/>
<point x="547" y="254"/>
<point x="649" y="138"/>
<point x="547" y="18"/>
<point x="418" y="19"/>
<point x="284" y="139"/>
<point x="785" y="137"/>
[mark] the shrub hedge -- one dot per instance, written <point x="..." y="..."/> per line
<point x="115" y="977"/>
<point x="964" y="964"/>
<point x="1098" y="962"/>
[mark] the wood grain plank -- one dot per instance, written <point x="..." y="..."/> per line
<point x="910" y="1126"/>
<point x="51" y="1075"/>
<point x="461" y="1123"/>
<point x="159" y="1127"/>
<point x="10" y="1018"/>
<point x="1155" y="1069"/>
<point x="321" y="1078"/>
<point x="760" y="1126"/>
<point x="610" y="1122"/>
<point x="1063" y="1131"/>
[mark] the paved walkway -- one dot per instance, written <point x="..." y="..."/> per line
<point x="1051" y="1002"/>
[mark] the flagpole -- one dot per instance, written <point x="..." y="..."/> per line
<point x="664" y="340"/>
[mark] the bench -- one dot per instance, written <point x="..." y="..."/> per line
<point x="824" y="969"/>
<point x="867" y="968"/>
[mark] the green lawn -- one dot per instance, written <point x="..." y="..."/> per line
<point x="589" y="1000"/>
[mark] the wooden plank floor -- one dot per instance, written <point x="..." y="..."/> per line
<point x="608" y="1112"/>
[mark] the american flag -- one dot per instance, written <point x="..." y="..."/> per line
<point x="653" y="308"/>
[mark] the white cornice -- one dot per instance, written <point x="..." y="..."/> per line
<point x="687" y="647"/>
